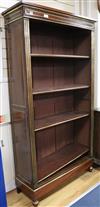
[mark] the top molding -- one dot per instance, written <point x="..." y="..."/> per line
<point x="39" y="12"/>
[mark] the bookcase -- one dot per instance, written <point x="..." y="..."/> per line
<point x="50" y="69"/>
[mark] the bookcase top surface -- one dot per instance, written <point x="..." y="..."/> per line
<point x="35" y="11"/>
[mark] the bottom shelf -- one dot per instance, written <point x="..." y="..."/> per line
<point x="60" y="159"/>
<point x="53" y="183"/>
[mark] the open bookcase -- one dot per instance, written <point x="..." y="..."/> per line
<point x="51" y="90"/>
<point x="61" y="80"/>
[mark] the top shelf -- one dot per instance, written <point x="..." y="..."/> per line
<point x="60" y="56"/>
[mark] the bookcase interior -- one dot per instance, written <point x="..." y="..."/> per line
<point x="50" y="38"/>
<point x="61" y="82"/>
<point x="60" y="145"/>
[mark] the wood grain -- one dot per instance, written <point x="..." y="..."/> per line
<point x="60" y="159"/>
<point x="58" y="120"/>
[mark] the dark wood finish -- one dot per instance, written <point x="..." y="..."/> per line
<point x="82" y="132"/>
<point x="65" y="177"/>
<point x="96" y="144"/>
<point x="66" y="88"/>
<point x="59" y="75"/>
<point x="26" y="31"/>
<point x="52" y="15"/>
<point x="60" y="159"/>
<point x="18" y="100"/>
<point x="50" y="84"/>
<point x="60" y="103"/>
<point x="18" y="190"/>
<point x="57" y="120"/>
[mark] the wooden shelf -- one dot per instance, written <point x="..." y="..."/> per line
<point x="60" y="56"/>
<point x="55" y="120"/>
<point x="60" y="159"/>
<point x="65" y="88"/>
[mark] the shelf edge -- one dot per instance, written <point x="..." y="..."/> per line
<point x="62" y="122"/>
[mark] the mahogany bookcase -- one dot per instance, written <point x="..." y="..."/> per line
<point x="50" y="69"/>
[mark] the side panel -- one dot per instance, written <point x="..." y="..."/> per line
<point x="18" y="101"/>
<point x="92" y="87"/>
<point x="96" y="143"/>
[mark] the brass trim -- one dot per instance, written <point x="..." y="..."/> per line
<point x="26" y="30"/>
<point x="24" y="184"/>
<point x="47" y="182"/>
<point x="51" y="181"/>
<point x="24" y="180"/>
